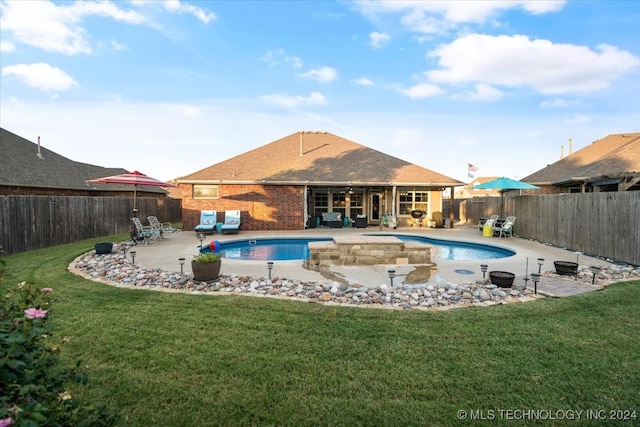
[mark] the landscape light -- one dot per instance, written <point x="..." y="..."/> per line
<point x="392" y="274"/>
<point x="181" y="261"/>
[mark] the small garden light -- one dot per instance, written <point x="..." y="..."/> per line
<point x="392" y="274"/>
<point x="484" y="268"/>
<point x="540" y="262"/>
<point x="269" y="267"/>
<point x="200" y="237"/>
<point x="181" y="261"/>
<point x="536" y="278"/>
<point x="578" y="257"/>
<point x="133" y="256"/>
<point x="595" y="269"/>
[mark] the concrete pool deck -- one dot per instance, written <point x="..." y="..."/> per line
<point x="184" y="244"/>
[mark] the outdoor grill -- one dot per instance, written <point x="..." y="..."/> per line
<point x="417" y="216"/>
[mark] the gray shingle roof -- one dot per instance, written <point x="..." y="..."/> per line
<point x="610" y="156"/>
<point x="20" y="166"/>
<point x="318" y="158"/>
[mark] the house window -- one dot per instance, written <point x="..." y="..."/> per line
<point x="321" y="203"/>
<point x="412" y="200"/>
<point x="202" y="191"/>
<point x="339" y="202"/>
<point x="356" y="204"/>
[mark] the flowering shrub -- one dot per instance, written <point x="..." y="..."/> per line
<point x="31" y="378"/>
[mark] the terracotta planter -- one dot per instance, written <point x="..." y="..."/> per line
<point x="205" y="271"/>
<point x="103" y="248"/>
<point x="503" y="279"/>
<point x="566" y="268"/>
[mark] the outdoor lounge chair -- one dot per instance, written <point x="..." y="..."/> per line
<point x="231" y="222"/>
<point x="506" y="228"/>
<point x="207" y="222"/>
<point x="164" y="227"/>
<point x="487" y="221"/>
<point x="144" y="233"/>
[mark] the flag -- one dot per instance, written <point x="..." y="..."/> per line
<point x="470" y="170"/>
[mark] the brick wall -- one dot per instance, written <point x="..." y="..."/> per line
<point x="262" y="207"/>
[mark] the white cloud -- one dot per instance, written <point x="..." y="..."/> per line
<point x="322" y="74"/>
<point x="289" y="101"/>
<point x="423" y="90"/>
<point x="516" y="61"/>
<point x="7" y="46"/>
<point x="56" y="28"/>
<point x="186" y="110"/>
<point x="377" y="40"/>
<point x="203" y="15"/>
<point x="440" y="16"/>
<point x="275" y="57"/>
<point x="41" y="76"/>
<point x="485" y="93"/>
<point x="363" y="81"/>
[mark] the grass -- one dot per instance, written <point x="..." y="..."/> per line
<point x="185" y="360"/>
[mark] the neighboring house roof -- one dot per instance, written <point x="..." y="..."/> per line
<point x="468" y="191"/>
<point x="20" y="166"/>
<point x="318" y="158"/>
<point x="613" y="156"/>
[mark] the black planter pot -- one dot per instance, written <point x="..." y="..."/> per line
<point x="205" y="271"/>
<point x="566" y="268"/>
<point x="103" y="248"/>
<point x="503" y="279"/>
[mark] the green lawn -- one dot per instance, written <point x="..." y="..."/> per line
<point x="185" y="360"/>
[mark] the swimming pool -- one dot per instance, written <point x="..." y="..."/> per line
<point x="289" y="249"/>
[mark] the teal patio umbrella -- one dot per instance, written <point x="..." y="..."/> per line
<point x="504" y="184"/>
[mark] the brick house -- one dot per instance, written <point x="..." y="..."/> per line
<point x="27" y="168"/>
<point x="289" y="183"/>
<point x="609" y="164"/>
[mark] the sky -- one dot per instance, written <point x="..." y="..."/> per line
<point x="171" y="87"/>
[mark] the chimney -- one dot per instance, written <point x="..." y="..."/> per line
<point x="39" y="153"/>
<point x="570" y="145"/>
<point x="561" y="151"/>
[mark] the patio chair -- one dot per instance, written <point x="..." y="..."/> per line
<point x="506" y="228"/>
<point x="144" y="233"/>
<point x="207" y="222"/>
<point x="487" y="221"/>
<point x="231" y="222"/>
<point x="164" y="227"/>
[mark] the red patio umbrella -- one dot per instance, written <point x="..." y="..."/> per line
<point x="134" y="178"/>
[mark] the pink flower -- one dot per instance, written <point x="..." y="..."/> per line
<point x="34" y="313"/>
<point x="47" y="290"/>
<point x="6" y="422"/>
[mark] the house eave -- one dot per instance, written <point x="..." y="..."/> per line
<point x="323" y="183"/>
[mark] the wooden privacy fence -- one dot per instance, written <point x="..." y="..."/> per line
<point x="34" y="222"/>
<point x="600" y="224"/>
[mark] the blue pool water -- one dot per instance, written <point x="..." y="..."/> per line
<point x="287" y="249"/>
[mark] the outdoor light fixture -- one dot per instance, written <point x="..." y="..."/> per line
<point x="392" y="274"/>
<point x="181" y="261"/>
<point x="540" y="262"/>
<point x="536" y="278"/>
<point x="526" y="280"/>
<point x="133" y="256"/>
<point x="595" y="269"/>
<point x="269" y="267"/>
<point x="578" y="257"/>
<point x="200" y="237"/>
<point x="484" y="267"/>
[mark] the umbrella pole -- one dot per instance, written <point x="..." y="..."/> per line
<point x="135" y="210"/>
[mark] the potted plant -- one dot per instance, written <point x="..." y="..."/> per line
<point x="503" y="279"/>
<point x="206" y="266"/>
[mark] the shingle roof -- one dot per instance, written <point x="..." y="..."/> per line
<point x="610" y="156"/>
<point x="318" y="158"/>
<point x="20" y="166"/>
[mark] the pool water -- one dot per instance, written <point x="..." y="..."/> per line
<point x="288" y="249"/>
